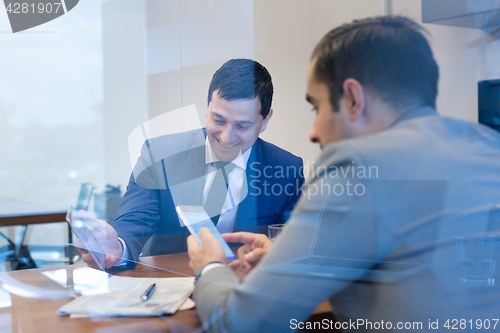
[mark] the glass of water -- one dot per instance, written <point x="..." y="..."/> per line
<point x="274" y="230"/>
<point x="476" y="260"/>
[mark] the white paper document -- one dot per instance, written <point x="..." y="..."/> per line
<point x="123" y="298"/>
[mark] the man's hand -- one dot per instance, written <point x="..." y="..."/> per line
<point x="256" y="245"/>
<point x="105" y="236"/>
<point x="200" y="255"/>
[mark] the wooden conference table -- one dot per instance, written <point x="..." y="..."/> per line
<point x="39" y="315"/>
<point x="14" y="212"/>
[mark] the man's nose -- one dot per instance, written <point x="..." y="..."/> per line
<point x="226" y="135"/>
<point x="313" y="136"/>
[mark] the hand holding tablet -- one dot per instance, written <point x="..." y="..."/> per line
<point x="196" y="218"/>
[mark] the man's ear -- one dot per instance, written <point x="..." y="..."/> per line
<point x="354" y="95"/>
<point x="266" y="121"/>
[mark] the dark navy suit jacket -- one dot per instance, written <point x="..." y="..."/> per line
<point x="171" y="172"/>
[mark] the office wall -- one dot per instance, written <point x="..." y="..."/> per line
<point x="286" y="32"/>
<point x="125" y="82"/>
<point x="464" y="56"/>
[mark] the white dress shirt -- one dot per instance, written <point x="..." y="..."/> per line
<point x="236" y="178"/>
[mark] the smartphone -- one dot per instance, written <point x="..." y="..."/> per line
<point x="196" y="218"/>
<point x="82" y="231"/>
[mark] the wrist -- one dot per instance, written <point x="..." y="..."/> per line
<point x="120" y="248"/>
<point x="200" y="272"/>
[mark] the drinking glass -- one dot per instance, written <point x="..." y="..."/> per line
<point x="274" y="230"/>
<point x="476" y="261"/>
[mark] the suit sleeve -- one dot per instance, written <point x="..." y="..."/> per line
<point x="139" y="211"/>
<point x="269" y="299"/>
<point x="137" y="217"/>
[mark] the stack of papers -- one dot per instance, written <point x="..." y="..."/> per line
<point x="122" y="298"/>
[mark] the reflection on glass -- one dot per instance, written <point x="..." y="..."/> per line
<point x="88" y="281"/>
<point x="16" y="287"/>
<point x="5" y="300"/>
<point x="59" y="276"/>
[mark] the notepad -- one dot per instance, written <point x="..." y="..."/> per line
<point x="123" y="298"/>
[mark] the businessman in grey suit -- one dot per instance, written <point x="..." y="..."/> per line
<point x="410" y="244"/>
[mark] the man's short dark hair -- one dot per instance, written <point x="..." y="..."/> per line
<point x="243" y="79"/>
<point x="389" y="55"/>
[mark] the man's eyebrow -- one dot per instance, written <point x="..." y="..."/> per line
<point x="247" y="122"/>
<point x="310" y="99"/>
<point x="217" y="115"/>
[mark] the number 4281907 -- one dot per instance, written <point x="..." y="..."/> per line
<point x="462" y="324"/>
<point x="24" y="8"/>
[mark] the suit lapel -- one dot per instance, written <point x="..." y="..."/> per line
<point x="192" y="188"/>
<point x="186" y="174"/>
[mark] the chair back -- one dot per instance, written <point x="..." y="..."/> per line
<point x="84" y="197"/>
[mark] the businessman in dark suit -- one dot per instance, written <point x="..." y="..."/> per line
<point x="244" y="182"/>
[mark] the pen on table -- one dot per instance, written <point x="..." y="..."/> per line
<point x="148" y="293"/>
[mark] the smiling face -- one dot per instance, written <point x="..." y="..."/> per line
<point x="233" y="126"/>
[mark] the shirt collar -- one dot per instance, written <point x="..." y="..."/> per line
<point x="419" y="112"/>
<point x="241" y="160"/>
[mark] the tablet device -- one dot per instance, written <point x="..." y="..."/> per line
<point x="195" y="218"/>
<point x="83" y="232"/>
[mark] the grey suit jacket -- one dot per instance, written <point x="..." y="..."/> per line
<point x="387" y="222"/>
